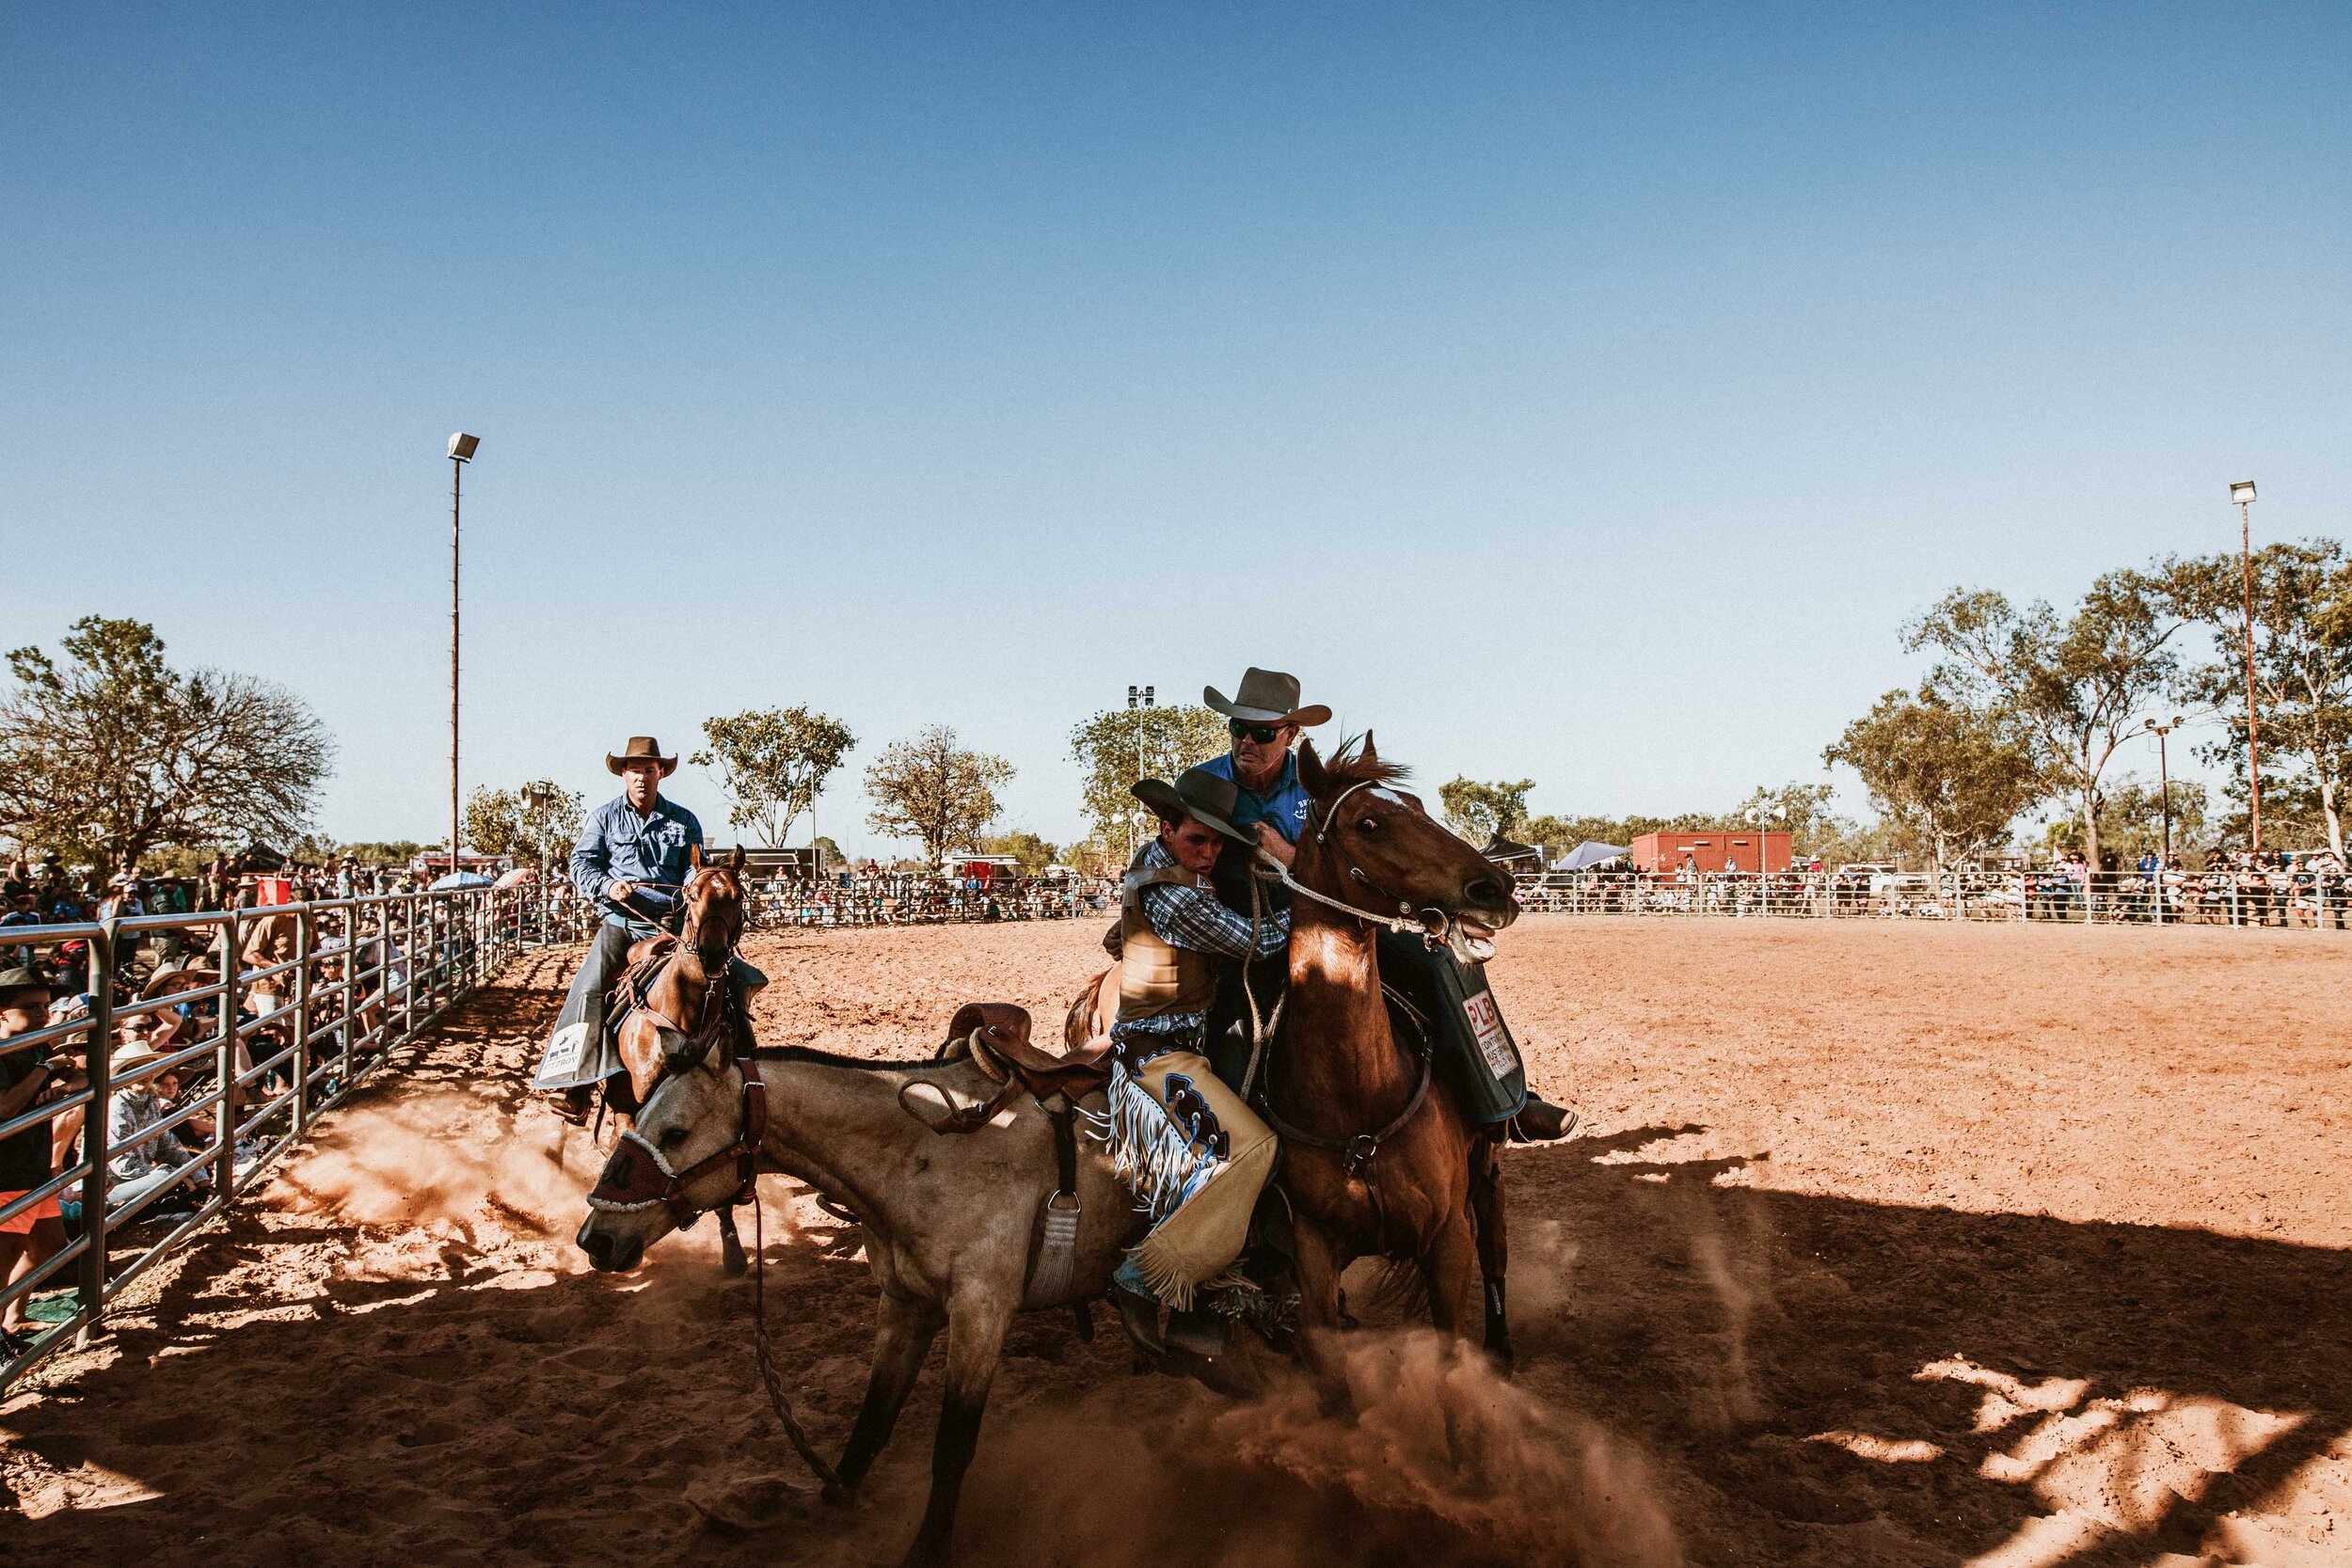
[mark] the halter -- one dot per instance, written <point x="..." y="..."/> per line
<point x="630" y="1185"/>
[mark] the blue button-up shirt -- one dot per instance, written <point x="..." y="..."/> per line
<point x="1284" y="805"/>
<point x="618" y="844"/>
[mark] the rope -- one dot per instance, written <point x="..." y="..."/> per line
<point x="765" y="1355"/>
<point x="1261" y="1030"/>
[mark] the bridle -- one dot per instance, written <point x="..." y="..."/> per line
<point x="718" y="995"/>
<point x="1435" y="933"/>
<point x="639" y="1176"/>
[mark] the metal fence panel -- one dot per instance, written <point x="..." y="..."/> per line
<point x="349" y="995"/>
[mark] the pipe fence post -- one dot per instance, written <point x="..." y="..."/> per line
<point x="91" y="1277"/>
<point x="305" y="943"/>
<point x="225" y="1070"/>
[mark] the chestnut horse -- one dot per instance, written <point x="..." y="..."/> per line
<point x="686" y="1008"/>
<point x="1378" y="1162"/>
<point x="1431" y="1192"/>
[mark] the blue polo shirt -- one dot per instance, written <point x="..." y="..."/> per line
<point x="618" y="844"/>
<point x="1284" y="806"/>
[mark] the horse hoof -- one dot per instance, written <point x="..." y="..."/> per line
<point x="731" y="1257"/>
<point x="835" y="1496"/>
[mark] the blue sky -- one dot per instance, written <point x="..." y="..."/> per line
<point x="1581" y="394"/>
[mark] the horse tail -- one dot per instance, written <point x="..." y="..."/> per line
<point x="1079" y="1025"/>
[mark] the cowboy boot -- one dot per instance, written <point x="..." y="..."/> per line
<point x="1540" y="1121"/>
<point x="1139" y="1313"/>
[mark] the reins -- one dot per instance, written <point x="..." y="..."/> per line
<point x="750" y="1143"/>
<point x="1356" y="1153"/>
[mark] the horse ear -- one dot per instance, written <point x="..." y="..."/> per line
<point x="734" y="860"/>
<point x="694" y="856"/>
<point x="1371" y="753"/>
<point x="1311" y="772"/>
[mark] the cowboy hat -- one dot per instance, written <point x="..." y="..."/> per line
<point x="641" y="748"/>
<point x="1267" y="697"/>
<point x="130" y="1060"/>
<point x="24" y="978"/>
<point x="1204" y="796"/>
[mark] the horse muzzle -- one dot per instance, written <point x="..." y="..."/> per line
<point x="607" y="1253"/>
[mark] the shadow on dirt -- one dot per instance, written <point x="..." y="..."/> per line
<point x="1811" y="1379"/>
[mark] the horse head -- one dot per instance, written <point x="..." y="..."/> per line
<point x="684" y="1156"/>
<point x="1373" y="847"/>
<point x="713" y="895"/>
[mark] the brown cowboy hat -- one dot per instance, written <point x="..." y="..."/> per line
<point x="1267" y="697"/>
<point x="641" y="748"/>
<point x="1206" y="796"/>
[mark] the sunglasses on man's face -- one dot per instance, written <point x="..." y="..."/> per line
<point x="1264" y="734"/>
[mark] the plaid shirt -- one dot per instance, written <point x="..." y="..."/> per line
<point x="1192" y="918"/>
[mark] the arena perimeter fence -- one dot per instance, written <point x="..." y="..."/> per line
<point x="287" y="1042"/>
<point x="2319" y="902"/>
<point x="918" y="900"/>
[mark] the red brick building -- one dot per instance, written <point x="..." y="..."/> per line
<point x="1746" y="849"/>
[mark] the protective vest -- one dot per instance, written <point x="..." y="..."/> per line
<point x="1154" y="974"/>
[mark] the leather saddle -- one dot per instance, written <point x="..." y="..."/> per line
<point x="626" y="992"/>
<point x="994" y="1037"/>
<point x="995" y="1034"/>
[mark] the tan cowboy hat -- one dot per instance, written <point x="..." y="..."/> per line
<point x="641" y="748"/>
<point x="132" y="1060"/>
<point x="1267" y="697"/>
<point x="1199" y="794"/>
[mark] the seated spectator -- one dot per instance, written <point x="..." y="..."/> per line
<point x="34" y="1235"/>
<point x="142" y="1161"/>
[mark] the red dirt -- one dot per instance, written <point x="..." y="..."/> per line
<point x="1885" y="1243"/>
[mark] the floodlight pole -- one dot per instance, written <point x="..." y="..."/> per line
<point x="2244" y="495"/>
<point x="461" y="450"/>
<point x="456" y="484"/>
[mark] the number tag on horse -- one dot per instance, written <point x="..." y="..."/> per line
<point x="1494" y="1043"/>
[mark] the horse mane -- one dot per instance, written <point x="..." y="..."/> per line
<point x="1351" y="764"/>
<point x="810" y="1055"/>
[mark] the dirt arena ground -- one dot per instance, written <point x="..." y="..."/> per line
<point x="1882" y="1245"/>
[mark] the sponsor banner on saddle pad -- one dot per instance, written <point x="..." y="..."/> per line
<point x="1494" y="1041"/>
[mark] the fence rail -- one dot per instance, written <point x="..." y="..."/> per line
<point x="278" y="1042"/>
<point x="920" y="900"/>
<point x="2108" y="898"/>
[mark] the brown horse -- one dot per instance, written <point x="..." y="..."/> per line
<point x="686" y="1009"/>
<point x="1378" y="1162"/>
<point x="1433" y="1191"/>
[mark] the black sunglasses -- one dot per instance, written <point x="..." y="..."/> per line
<point x="1264" y="734"/>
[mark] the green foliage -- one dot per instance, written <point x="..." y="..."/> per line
<point x="1480" y="811"/>
<point x="2302" y="597"/>
<point x="930" y="788"/>
<point x="1955" y="777"/>
<point x="829" y="855"/>
<point x="534" y="824"/>
<point x="773" y="764"/>
<point x="2131" y="821"/>
<point x="2074" y="687"/>
<point x="1033" y="852"/>
<point x="385" y="852"/>
<point x="1117" y="747"/>
<point x="112" y="754"/>
<point x="1800" y="810"/>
